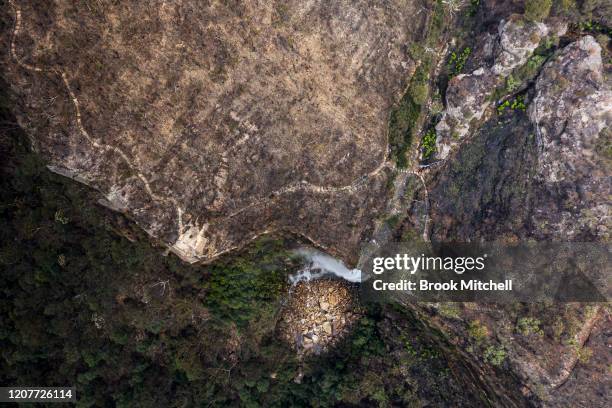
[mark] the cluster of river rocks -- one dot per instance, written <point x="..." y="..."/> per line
<point x="318" y="314"/>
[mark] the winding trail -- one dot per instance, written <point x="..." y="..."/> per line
<point x="188" y="230"/>
<point x="77" y="109"/>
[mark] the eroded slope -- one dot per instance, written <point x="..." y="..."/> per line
<point x="211" y="123"/>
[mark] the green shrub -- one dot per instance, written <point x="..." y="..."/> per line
<point x="457" y="61"/>
<point x="429" y="144"/>
<point x="517" y="103"/>
<point x="531" y="68"/>
<point x="419" y="93"/>
<point x="495" y="355"/>
<point x="567" y="5"/>
<point x="512" y="84"/>
<point x="528" y="325"/>
<point x="473" y="8"/>
<point x="406" y="115"/>
<point x="449" y="310"/>
<point x="537" y="10"/>
<point x="594" y="27"/>
<point x="584" y="354"/>
<point x="393" y="221"/>
<point x="478" y="331"/>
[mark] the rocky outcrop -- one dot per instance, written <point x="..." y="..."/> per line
<point x="572" y="106"/>
<point x="542" y="174"/>
<point x="318" y="314"/>
<point x="469" y="95"/>
<point x="571" y="113"/>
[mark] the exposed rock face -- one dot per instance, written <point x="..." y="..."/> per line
<point x="468" y="95"/>
<point x="542" y="174"/>
<point x="571" y="111"/>
<point x="572" y="106"/>
<point x="466" y="100"/>
<point x="211" y="123"/>
<point x="517" y="40"/>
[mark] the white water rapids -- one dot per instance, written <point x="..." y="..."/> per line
<point x="319" y="264"/>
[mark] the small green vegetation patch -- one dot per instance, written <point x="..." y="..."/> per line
<point x="517" y="103"/>
<point x="405" y="116"/>
<point x="473" y="8"/>
<point x="594" y="27"/>
<point x="528" y="325"/>
<point x="457" y="61"/>
<point x="495" y="355"/>
<point x="429" y="144"/>
<point x="531" y="68"/>
<point x="478" y="331"/>
<point x="537" y="10"/>
<point x="404" y="119"/>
